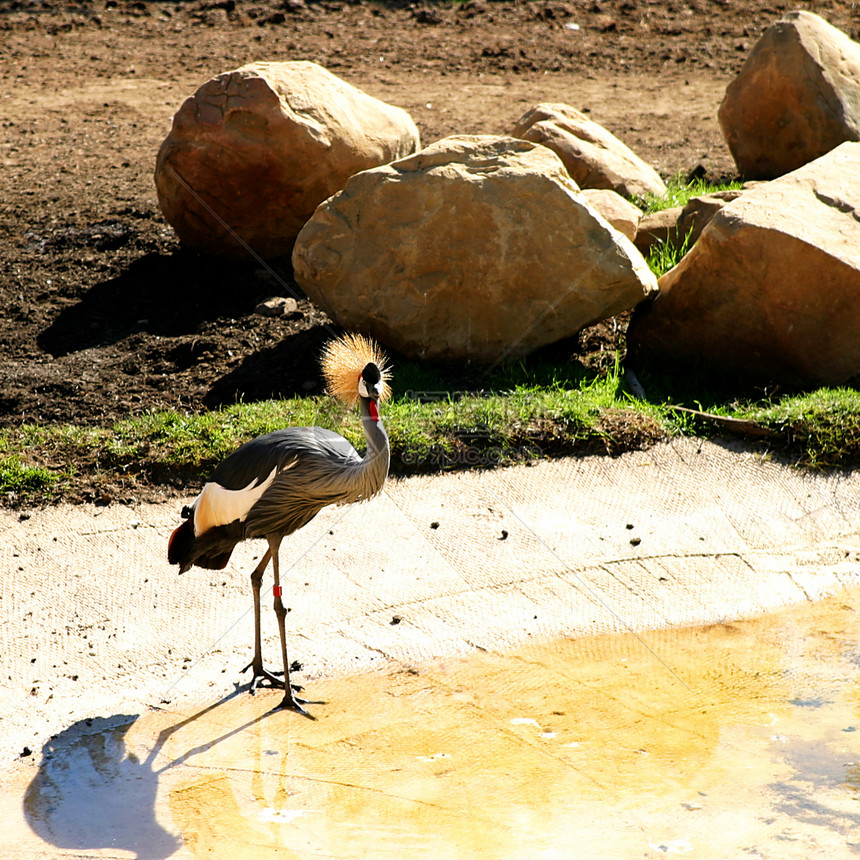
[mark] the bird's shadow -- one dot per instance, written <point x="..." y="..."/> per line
<point x="90" y="792"/>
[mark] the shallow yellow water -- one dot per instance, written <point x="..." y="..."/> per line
<point x="733" y="740"/>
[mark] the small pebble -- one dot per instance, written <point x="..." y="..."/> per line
<point x="276" y="306"/>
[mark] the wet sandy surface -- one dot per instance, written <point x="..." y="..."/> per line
<point x="737" y="739"/>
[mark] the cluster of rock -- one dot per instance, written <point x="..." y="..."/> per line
<point x="772" y="286"/>
<point x="484" y="247"/>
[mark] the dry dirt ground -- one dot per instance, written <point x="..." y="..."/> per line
<point x="104" y="315"/>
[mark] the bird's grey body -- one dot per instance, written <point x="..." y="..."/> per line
<point x="303" y="469"/>
<point x="274" y="485"/>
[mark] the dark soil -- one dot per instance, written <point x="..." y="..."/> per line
<point x="103" y="315"/>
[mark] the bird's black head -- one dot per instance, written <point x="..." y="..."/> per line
<point x="370" y="382"/>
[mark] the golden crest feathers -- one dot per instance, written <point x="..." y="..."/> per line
<point x="344" y="359"/>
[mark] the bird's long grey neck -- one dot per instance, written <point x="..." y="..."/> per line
<point x="376" y="458"/>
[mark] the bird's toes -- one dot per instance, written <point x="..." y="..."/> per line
<point x="264" y="678"/>
<point x="293" y="703"/>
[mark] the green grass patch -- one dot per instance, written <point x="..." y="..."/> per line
<point x="679" y="191"/>
<point x="523" y="412"/>
<point x="815" y="429"/>
<point x="24" y="482"/>
<point x="666" y="254"/>
<point x="821" y="427"/>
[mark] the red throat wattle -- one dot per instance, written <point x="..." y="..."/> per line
<point x="374" y="411"/>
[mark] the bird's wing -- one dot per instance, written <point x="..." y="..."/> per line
<point x="241" y="480"/>
<point x="218" y="506"/>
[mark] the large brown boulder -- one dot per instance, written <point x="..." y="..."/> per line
<point x="475" y="248"/>
<point x="796" y="97"/>
<point x="593" y="156"/>
<point x="771" y="290"/>
<point x="254" y="151"/>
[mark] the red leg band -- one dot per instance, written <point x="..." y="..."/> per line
<point x="277" y="590"/>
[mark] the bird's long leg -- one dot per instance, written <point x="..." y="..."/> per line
<point x="290" y="699"/>
<point x="259" y="673"/>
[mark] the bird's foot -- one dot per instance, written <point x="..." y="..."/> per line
<point x="266" y="679"/>
<point x="263" y="677"/>
<point x="294" y="703"/>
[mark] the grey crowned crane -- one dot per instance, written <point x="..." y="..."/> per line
<point x="277" y="483"/>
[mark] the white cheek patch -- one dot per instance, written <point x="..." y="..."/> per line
<point x="217" y="506"/>
<point x="362" y="387"/>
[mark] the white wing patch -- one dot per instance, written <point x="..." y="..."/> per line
<point x="217" y="506"/>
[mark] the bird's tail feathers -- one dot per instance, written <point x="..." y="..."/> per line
<point x="211" y="550"/>
<point x="180" y="542"/>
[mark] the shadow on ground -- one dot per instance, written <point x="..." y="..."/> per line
<point x="287" y="369"/>
<point x="89" y="794"/>
<point x="92" y="792"/>
<point x="161" y="294"/>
